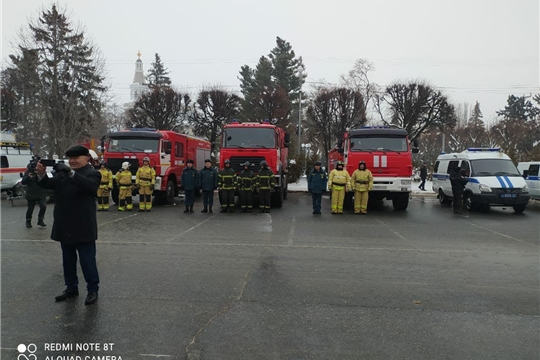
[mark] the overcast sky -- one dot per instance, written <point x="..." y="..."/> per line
<point x="473" y="50"/>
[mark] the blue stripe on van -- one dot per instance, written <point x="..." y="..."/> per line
<point x="533" y="177"/>
<point x="510" y="185"/>
<point x="503" y="184"/>
<point x="473" y="180"/>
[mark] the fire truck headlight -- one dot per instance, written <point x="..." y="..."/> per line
<point x="484" y="188"/>
<point x="405" y="182"/>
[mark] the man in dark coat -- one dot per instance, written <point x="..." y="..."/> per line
<point x="208" y="180"/>
<point x="35" y="194"/>
<point x="75" y="225"/>
<point x="188" y="183"/>
<point x="317" y="181"/>
<point x="423" y="176"/>
<point x="458" y="182"/>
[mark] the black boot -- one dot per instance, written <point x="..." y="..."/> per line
<point x="231" y="209"/>
<point x="204" y="210"/>
<point x="191" y="208"/>
<point x="187" y="209"/>
<point x="223" y="210"/>
<point x="210" y="210"/>
<point x="69" y="292"/>
<point x="41" y="223"/>
<point x="28" y="223"/>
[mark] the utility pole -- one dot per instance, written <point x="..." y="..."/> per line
<point x="300" y="112"/>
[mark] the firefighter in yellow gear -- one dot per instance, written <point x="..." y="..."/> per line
<point x="338" y="182"/>
<point x="123" y="179"/>
<point x="105" y="187"/>
<point x="361" y="184"/>
<point x="145" y="180"/>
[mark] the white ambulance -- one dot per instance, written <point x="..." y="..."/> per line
<point x="14" y="157"/>
<point x="531" y="173"/>
<point x="493" y="179"/>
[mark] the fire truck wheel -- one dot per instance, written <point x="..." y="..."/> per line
<point x="277" y="198"/>
<point x="169" y="193"/>
<point x="115" y="193"/>
<point x="400" y="201"/>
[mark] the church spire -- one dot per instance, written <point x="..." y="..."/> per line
<point x="138" y="86"/>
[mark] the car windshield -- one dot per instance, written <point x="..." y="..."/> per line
<point x="493" y="167"/>
<point x="374" y="143"/>
<point x="249" y="137"/>
<point x="133" y="145"/>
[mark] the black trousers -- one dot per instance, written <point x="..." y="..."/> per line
<point x="423" y="184"/>
<point x="42" y="208"/>
<point x="208" y="198"/>
<point x="316" y="198"/>
<point x="246" y="199"/>
<point x="189" y="199"/>
<point x="87" y="256"/>
<point x="227" y="198"/>
<point x="264" y="195"/>
<point x="457" y="201"/>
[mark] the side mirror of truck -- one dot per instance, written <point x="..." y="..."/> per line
<point x="415" y="150"/>
<point x="287" y="139"/>
<point x="341" y="150"/>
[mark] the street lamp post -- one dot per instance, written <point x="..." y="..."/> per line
<point x="300" y="111"/>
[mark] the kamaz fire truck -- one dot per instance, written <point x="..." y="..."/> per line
<point x="168" y="152"/>
<point x="254" y="142"/>
<point x="387" y="153"/>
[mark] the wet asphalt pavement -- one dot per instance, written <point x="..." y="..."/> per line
<point x="419" y="284"/>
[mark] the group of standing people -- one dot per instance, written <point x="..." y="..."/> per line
<point x="339" y="182"/>
<point x="227" y="182"/>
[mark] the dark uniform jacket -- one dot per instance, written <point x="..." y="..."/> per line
<point x="33" y="190"/>
<point x="208" y="179"/>
<point x="227" y="179"/>
<point x="75" y="205"/>
<point x="317" y="181"/>
<point x="247" y="180"/>
<point x="458" y="182"/>
<point x="265" y="179"/>
<point x="423" y="172"/>
<point x="189" y="178"/>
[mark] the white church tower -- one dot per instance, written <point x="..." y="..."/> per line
<point x="138" y="86"/>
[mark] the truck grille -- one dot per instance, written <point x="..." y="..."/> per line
<point x="506" y="190"/>
<point x="115" y="165"/>
<point x="237" y="161"/>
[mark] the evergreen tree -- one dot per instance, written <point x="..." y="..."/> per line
<point x="59" y="82"/>
<point x="276" y="78"/>
<point x="157" y="74"/>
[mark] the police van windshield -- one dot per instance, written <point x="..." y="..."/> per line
<point x="133" y="145"/>
<point x="493" y="167"/>
<point x="249" y="137"/>
<point x="374" y="143"/>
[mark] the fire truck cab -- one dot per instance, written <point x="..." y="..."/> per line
<point x="168" y="152"/>
<point x="254" y="142"/>
<point x="387" y="154"/>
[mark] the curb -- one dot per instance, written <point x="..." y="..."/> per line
<point x="414" y="194"/>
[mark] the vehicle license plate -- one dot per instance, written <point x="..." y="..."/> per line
<point x="508" y="195"/>
<point x="379" y="187"/>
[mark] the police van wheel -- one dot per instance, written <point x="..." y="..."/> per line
<point x="443" y="199"/>
<point x="470" y="204"/>
<point x="519" y="208"/>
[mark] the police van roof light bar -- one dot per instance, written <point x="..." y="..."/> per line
<point x="484" y="149"/>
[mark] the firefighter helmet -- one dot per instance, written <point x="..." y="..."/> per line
<point x="340" y="163"/>
<point x="362" y="162"/>
<point x="317" y="163"/>
<point x="264" y="163"/>
<point x="246" y="164"/>
<point x="93" y="155"/>
<point x="125" y="165"/>
<point x="146" y="158"/>
<point x="227" y="161"/>
<point x="103" y="163"/>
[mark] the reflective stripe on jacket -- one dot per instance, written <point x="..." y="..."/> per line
<point x="106" y="178"/>
<point x="339" y="178"/>
<point x="123" y="178"/>
<point x="227" y="179"/>
<point x="362" y="180"/>
<point x="265" y="179"/>
<point x="146" y="176"/>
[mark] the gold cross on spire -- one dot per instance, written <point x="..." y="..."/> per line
<point x="139" y="54"/>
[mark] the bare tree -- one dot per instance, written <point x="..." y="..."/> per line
<point x="414" y="106"/>
<point x="332" y="112"/>
<point x="358" y="79"/>
<point x="162" y="108"/>
<point x="212" y="110"/>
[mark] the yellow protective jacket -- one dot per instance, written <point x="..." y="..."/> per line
<point x="106" y="179"/>
<point x="361" y="180"/>
<point x="123" y="178"/>
<point x="338" y="178"/>
<point x="146" y="176"/>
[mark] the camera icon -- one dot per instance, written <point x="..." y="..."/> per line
<point x="26" y="352"/>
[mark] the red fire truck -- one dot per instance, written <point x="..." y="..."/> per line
<point x="168" y="152"/>
<point x="387" y="153"/>
<point x="254" y="142"/>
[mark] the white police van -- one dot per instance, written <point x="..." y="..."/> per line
<point x="531" y="173"/>
<point x="493" y="179"/>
